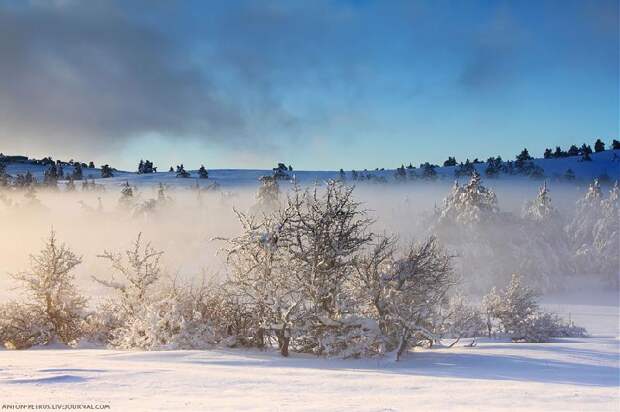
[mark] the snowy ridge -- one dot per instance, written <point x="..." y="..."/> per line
<point x="603" y="163"/>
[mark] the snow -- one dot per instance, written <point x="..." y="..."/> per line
<point x="568" y="374"/>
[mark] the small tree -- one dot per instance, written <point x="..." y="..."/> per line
<point x="524" y="156"/>
<point x="181" y="172"/>
<point x="203" y="173"/>
<point x="106" y="171"/>
<point x="615" y="145"/>
<point x="599" y="146"/>
<point x="55" y="310"/>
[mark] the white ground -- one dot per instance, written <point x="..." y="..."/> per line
<point x="568" y="374"/>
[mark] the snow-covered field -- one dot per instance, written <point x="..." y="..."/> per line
<point x="568" y="374"/>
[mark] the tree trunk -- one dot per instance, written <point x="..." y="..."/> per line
<point x="402" y="345"/>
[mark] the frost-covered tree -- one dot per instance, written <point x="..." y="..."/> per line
<point x="607" y="233"/>
<point x="547" y="251"/>
<point x="127" y="196"/>
<point x="404" y="293"/>
<point x="517" y="310"/>
<point x="54" y="309"/>
<point x="468" y="204"/>
<point x="540" y="209"/>
<point x="268" y="195"/>
<point x="260" y="283"/>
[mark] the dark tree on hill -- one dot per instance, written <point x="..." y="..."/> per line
<point x="401" y="173"/>
<point x="599" y="146"/>
<point x="60" y="172"/>
<point x="450" y="162"/>
<point x="171" y="170"/>
<point x="50" y="177"/>
<point x="203" y="173"/>
<point x="548" y="154"/>
<point x="411" y="166"/>
<point x="428" y="171"/>
<point x="141" y="166"/>
<point x="615" y="144"/>
<point x="91" y="165"/>
<point x="494" y="165"/>
<point x="106" y="171"/>
<point x="77" y="171"/>
<point x="585" y="149"/>
<point x="586" y="157"/>
<point x="464" y="169"/>
<point x="181" y="172"/>
<point x="573" y="151"/>
<point x="569" y="174"/>
<point x="524" y="156"/>
<point x="4" y="176"/>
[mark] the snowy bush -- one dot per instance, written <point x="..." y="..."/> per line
<point x="150" y="315"/>
<point x="53" y="309"/>
<point x="516" y="308"/>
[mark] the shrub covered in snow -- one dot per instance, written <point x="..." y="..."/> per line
<point x="53" y="309"/>
<point x="516" y="308"/>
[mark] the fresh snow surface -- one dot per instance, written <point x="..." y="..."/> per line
<point x="565" y="375"/>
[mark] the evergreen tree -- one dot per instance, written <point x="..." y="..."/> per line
<point x="615" y="144"/>
<point x="141" y="167"/>
<point x="450" y="162"/>
<point x="428" y="171"/>
<point x="586" y="157"/>
<point x="203" y="173"/>
<point x="599" y="146"/>
<point x="573" y="151"/>
<point x="524" y="156"/>
<point x="77" y="171"/>
<point x="181" y="172"/>
<point x="91" y="165"/>
<point x="569" y="175"/>
<point x="106" y="171"/>
<point x="548" y="154"/>
<point x="585" y="149"/>
<point x="4" y="176"/>
<point x="70" y="185"/>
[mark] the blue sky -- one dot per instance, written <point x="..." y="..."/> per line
<point x="318" y="84"/>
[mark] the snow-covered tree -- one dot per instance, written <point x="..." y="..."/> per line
<point x="517" y="310"/>
<point x="540" y="209"/>
<point x="54" y="309"/>
<point x="127" y="196"/>
<point x="469" y="204"/>
<point x="268" y="195"/>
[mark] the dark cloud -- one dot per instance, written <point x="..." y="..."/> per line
<point x="86" y="74"/>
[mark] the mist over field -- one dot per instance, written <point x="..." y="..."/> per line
<point x="189" y="227"/>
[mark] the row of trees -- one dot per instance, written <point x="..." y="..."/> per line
<point x="540" y="242"/>
<point x="309" y="277"/>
